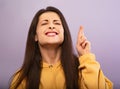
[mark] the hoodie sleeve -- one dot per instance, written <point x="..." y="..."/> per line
<point x="91" y="75"/>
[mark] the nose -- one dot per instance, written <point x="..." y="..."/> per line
<point x="51" y="27"/>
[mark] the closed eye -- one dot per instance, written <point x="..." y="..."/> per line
<point x="58" y="23"/>
<point x="44" y="24"/>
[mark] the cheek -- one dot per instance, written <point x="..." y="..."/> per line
<point x="38" y="34"/>
<point x="40" y="31"/>
<point x="62" y="34"/>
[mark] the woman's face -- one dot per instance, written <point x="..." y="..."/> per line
<point x="49" y="29"/>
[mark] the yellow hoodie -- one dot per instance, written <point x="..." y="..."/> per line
<point x="92" y="77"/>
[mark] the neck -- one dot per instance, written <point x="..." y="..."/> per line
<point x="50" y="55"/>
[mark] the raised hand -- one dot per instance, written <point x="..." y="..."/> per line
<point x="83" y="45"/>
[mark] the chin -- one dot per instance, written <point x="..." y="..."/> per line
<point x="52" y="43"/>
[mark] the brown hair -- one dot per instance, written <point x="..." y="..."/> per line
<point x="31" y="68"/>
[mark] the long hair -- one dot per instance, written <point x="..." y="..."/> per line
<point x="31" y="68"/>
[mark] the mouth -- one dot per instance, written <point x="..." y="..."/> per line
<point x="51" y="33"/>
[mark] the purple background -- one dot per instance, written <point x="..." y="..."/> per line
<point x="100" y="18"/>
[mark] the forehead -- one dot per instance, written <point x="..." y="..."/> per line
<point x="49" y="15"/>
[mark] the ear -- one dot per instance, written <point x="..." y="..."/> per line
<point x="36" y="38"/>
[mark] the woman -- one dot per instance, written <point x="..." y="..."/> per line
<point x="50" y="62"/>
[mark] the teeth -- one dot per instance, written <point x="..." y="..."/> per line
<point x="51" y="34"/>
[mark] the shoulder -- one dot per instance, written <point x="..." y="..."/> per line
<point x="16" y="76"/>
<point x="15" y="80"/>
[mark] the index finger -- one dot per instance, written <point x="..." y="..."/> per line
<point x="81" y="32"/>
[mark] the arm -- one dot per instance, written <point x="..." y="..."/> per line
<point x="91" y="76"/>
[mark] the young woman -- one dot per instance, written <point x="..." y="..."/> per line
<point x="50" y="62"/>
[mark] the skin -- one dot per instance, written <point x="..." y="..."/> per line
<point x="49" y="42"/>
<point x="50" y="34"/>
<point x="82" y="45"/>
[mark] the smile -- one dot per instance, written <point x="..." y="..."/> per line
<point x="51" y="33"/>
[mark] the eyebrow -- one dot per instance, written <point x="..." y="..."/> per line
<point x="44" y="20"/>
<point x="47" y="20"/>
<point x="55" y="20"/>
